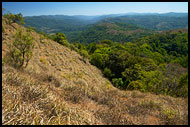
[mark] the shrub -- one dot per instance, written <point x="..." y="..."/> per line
<point x="52" y="79"/>
<point x="107" y="73"/>
<point x="117" y="82"/>
<point x="170" y="116"/>
<point x="61" y="39"/>
<point x="84" y="54"/>
<point x="21" y="49"/>
<point x="136" y="85"/>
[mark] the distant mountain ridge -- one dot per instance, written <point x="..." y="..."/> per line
<point x="120" y="14"/>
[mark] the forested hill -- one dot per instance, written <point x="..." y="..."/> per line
<point x="117" y="32"/>
<point x="75" y="26"/>
<point x="57" y="23"/>
<point x="155" y="22"/>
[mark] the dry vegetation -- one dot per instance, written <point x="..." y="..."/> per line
<point x="58" y="88"/>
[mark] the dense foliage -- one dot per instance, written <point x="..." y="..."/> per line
<point x="169" y="47"/>
<point x="157" y="63"/>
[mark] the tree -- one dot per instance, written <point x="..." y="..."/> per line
<point x="14" y="18"/>
<point x="61" y="39"/>
<point x="97" y="60"/>
<point x="21" y="49"/>
<point x="133" y="48"/>
<point x="92" y="47"/>
<point x="133" y="73"/>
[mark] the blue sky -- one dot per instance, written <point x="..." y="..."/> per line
<point x="92" y="8"/>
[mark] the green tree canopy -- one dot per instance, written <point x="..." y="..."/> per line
<point x="21" y="49"/>
<point x="17" y="18"/>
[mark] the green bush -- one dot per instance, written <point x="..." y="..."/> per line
<point x="107" y="73"/>
<point x="60" y="38"/>
<point x="20" y="51"/>
<point x="118" y="82"/>
<point x="84" y="54"/>
<point x="136" y="85"/>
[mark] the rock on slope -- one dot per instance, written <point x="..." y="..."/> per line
<point x="57" y="87"/>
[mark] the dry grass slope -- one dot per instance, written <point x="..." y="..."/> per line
<point x="58" y="88"/>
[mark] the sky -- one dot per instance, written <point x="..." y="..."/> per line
<point x="92" y="8"/>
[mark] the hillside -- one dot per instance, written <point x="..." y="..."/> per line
<point x="59" y="87"/>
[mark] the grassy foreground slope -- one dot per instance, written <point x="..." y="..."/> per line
<point x="58" y="87"/>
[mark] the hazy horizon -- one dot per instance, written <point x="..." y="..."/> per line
<point x="93" y="8"/>
<point x="107" y="14"/>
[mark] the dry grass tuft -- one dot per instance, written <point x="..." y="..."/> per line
<point x="52" y="79"/>
<point x="30" y="94"/>
<point x="75" y="94"/>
